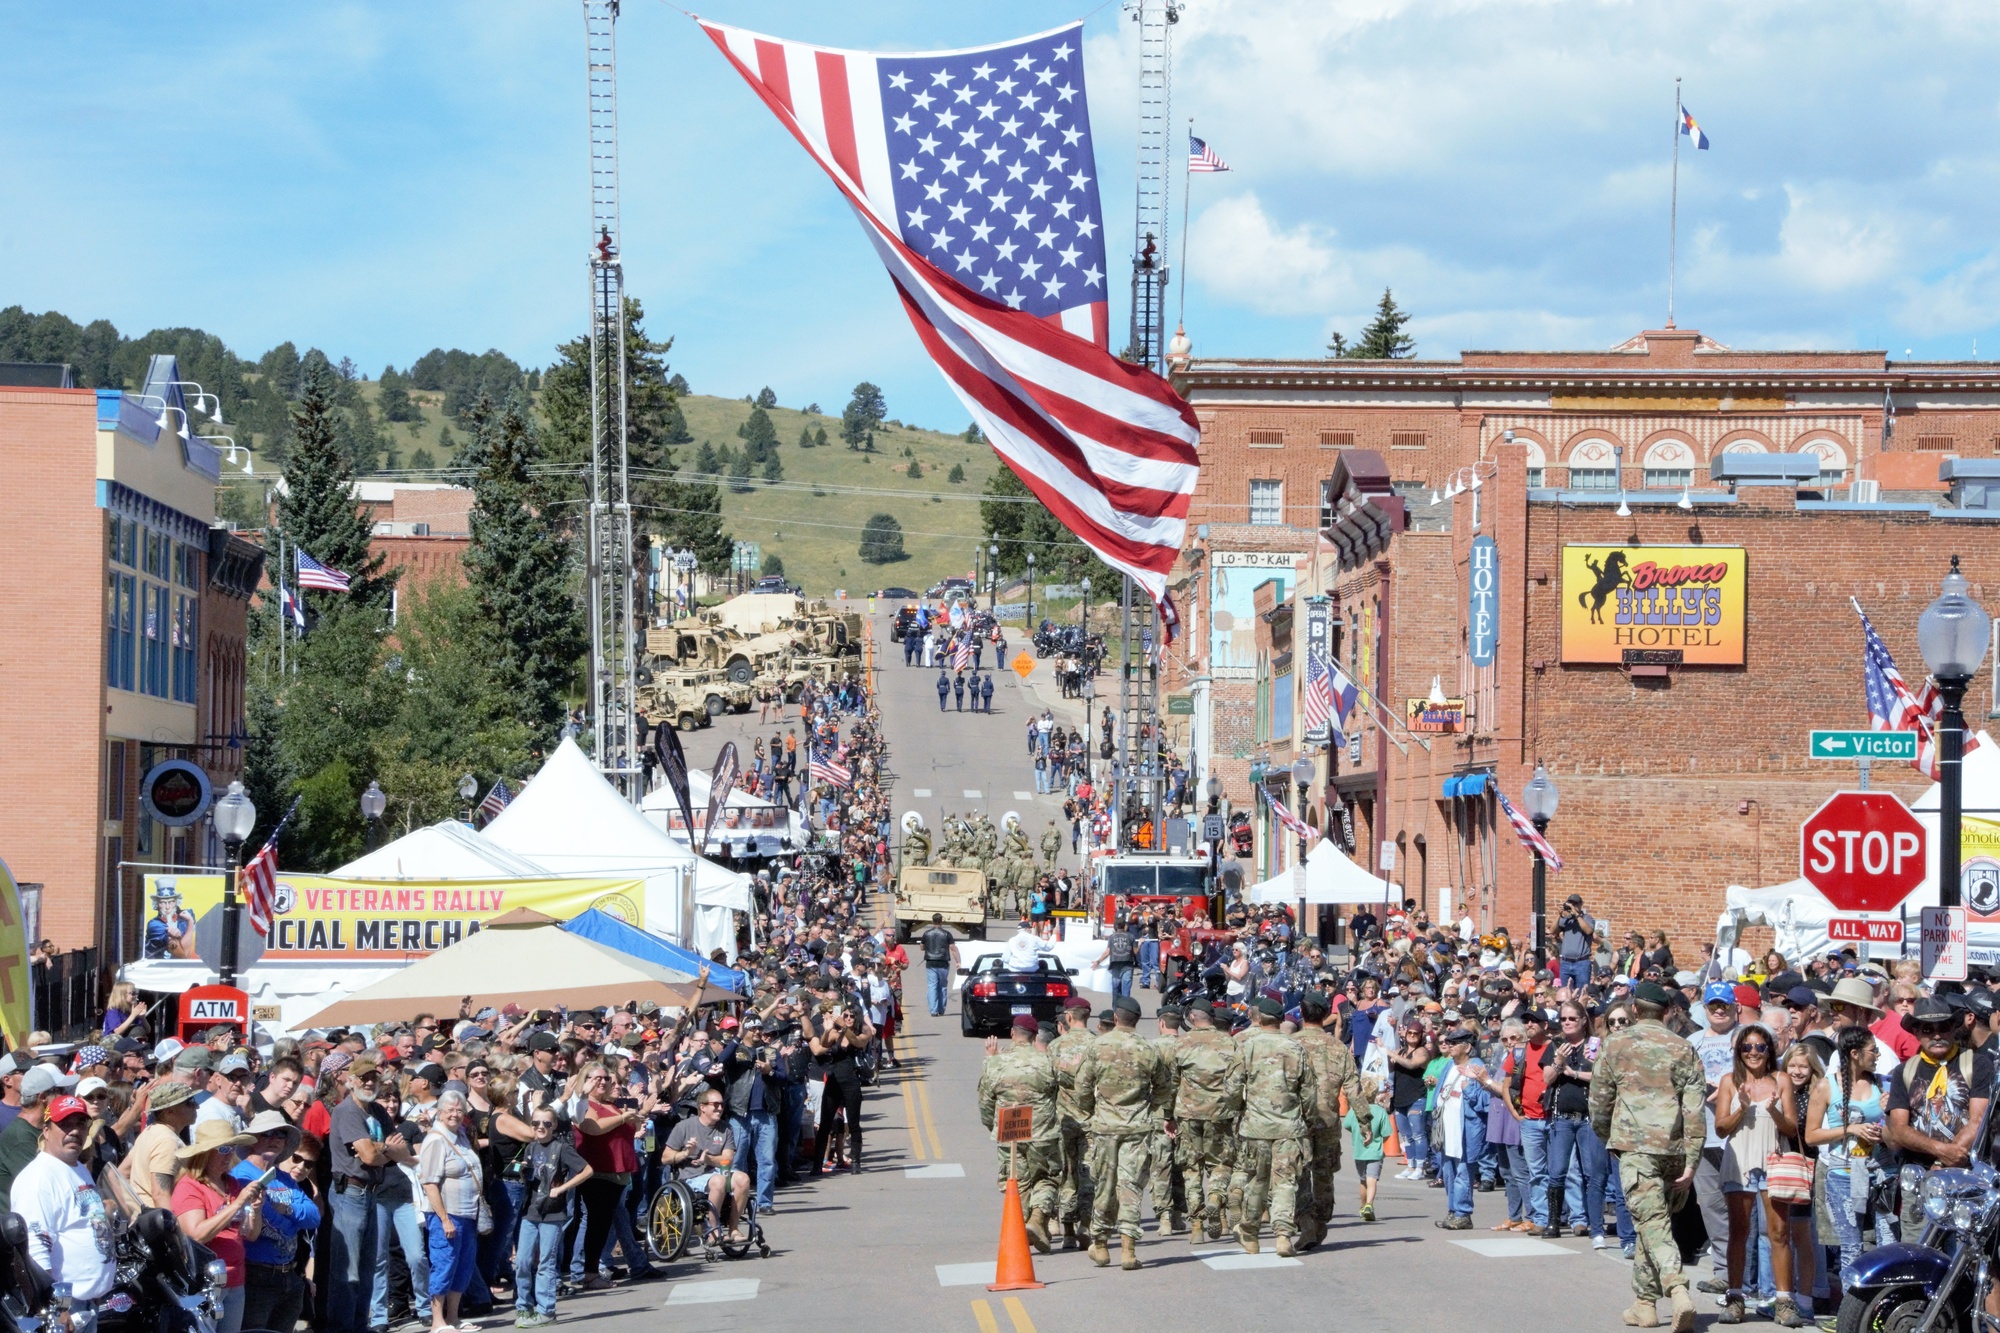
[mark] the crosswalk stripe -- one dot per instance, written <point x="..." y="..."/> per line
<point x="973" y="796"/>
<point x="714" y="1291"/>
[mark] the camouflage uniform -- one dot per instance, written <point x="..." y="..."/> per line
<point x="1334" y="1072"/>
<point x="1208" y="1098"/>
<point x="1646" y="1105"/>
<point x="1120" y="1082"/>
<point x="1163" y="1172"/>
<point x="1279" y="1094"/>
<point x="1020" y="1075"/>
<point x="1051" y="846"/>
<point x="1067" y="1052"/>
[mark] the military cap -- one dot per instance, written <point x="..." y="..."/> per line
<point x="194" y="1057"/>
<point x="1077" y="1002"/>
<point x="543" y="1041"/>
<point x="1046" y="1030"/>
<point x="1125" y="1004"/>
<point x="1314" y="1005"/>
<point x="1025" y="1023"/>
<point x="1202" y="1006"/>
<point x="1170" y="1011"/>
<point x="1269" y="1007"/>
<point x="1106" y="1016"/>
<point x="1652" y="992"/>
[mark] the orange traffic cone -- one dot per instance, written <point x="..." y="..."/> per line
<point x="1394" y="1148"/>
<point x="1015" y="1268"/>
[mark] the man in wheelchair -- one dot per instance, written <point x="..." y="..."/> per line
<point x="697" y="1149"/>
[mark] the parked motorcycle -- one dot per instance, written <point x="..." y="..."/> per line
<point x="1938" y="1284"/>
<point x="166" y="1282"/>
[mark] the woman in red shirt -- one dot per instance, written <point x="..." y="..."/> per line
<point x="218" y="1212"/>
<point x="605" y="1133"/>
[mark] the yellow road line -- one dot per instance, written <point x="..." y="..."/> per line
<point x="1019" y="1314"/>
<point x="930" y="1125"/>
<point x="910" y="1118"/>
<point x="982" y="1314"/>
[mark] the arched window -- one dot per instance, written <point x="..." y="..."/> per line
<point x="1669" y="465"/>
<point x="1832" y="455"/>
<point x="1593" y="466"/>
<point x="1537" y="460"/>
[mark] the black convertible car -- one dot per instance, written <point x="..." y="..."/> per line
<point x="991" y="994"/>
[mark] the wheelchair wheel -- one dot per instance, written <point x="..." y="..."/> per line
<point x="669" y="1221"/>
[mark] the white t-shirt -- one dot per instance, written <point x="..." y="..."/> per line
<point x="1023" y="948"/>
<point x="217" y="1109"/>
<point x="68" y="1231"/>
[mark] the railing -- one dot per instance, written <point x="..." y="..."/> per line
<point x="66" y="995"/>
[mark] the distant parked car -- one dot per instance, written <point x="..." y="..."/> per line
<point x="898" y="594"/>
<point x="770" y="583"/>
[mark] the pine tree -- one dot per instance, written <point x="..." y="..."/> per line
<point x="819" y="437"/>
<point x="760" y="437"/>
<point x="765" y="398"/>
<point x="882" y="540"/>
<point x="916" y="470"/>
<point x="864" y="412"/>
<point x="805" y="437"/>
<point x="392" y="395"/>
<point x="520" y="565"/>
<point x="421" y="460"/>
<point x="773" y="469"/>
<point x="706" y="461"/>
<point x="1383" y="339"/>
<point x="739" y="475"/>
<point x="957" y="473"/>
<point x="316" y="510"/>
<point x="774" y="565"/>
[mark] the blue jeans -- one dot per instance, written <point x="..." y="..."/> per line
<point x="1847" y="1229"/>
<point x="937" y="985"/>
<point x="1457" y="1185"/>
<point x="757" y="1140"/>
<point x="1121" y="981"/>
<point x="493" y="1245"/>
<point x="1411" y="1128"/>
<point x="1514" y="1175"/>
<point x="1568" y="1135"/>
<point x="1614" y="1194"/>
<point x="357" y="1232"/>
<point x="1575" y="972"/>
<point x="625" y="1236"/>
<point x="408" y="1227"/>
<point x="1535" y="1147"/>
<point x="1149" y="961"/>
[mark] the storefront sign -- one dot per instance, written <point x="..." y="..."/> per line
<point x="175" y="792"/>
<point x="321" y="919"/>
<point x="1319" y="652"/>
<point x="1443" y="716"/>
<point x="1482" y="600"/>
<point x="1683" y="599"/>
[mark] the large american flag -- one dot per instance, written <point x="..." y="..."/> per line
<point x="258" y="879"/>
<point x="829" y="769"/>
<point x="312" y="574"/>
<point x="1298" y="827"/>
<point x="1202" y="158"/>
<point x="973" y="176"/>
<point x="962" y="657"/>
<point x="1892" y="707"/>
<point x="1524" y="828"/>
<point x="497" y="799"/>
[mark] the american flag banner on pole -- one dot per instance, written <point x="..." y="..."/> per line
<point x="962" y="658"/>
<point x="828" y="768"/>
<point x="1531" y="837"/>
<point x="1293" y="824"/>
<point x="496" y="800"/>
<point x="312" y="574"/>
<point x="257" y="881"/>
<point x="1202" y="158"/>
<point x="1892" y="706"/>
<point x="973" y="176"/>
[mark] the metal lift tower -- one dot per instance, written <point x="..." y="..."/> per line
<point x="614" y="631"/>
<point x="1138" y="779"/>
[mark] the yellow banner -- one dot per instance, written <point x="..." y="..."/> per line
<point x="1654" y="605"/>
<point x="321" y="919"/>
<point x="1979" y="867"/>
<point x="16" y="985"/>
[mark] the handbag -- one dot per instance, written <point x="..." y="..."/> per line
<point x="1788" y="1177"/>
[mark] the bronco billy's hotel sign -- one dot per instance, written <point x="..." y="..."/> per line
<point x="1663" y="605"/>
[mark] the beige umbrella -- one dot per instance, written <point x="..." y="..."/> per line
<point x="536" y="967"/>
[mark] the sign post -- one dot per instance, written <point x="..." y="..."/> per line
<point x="1862" y="745"/>
<point x="1864" y="850"/>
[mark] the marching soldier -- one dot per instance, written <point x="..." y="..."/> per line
<point x="986" y="694"/>
<point x="1646" y="1105"/>
<point x="1279" y="1094"/>
<point x="1074" y="1199"/>
<point x="1024" y="1075"/>
<point x="1163" y="1173"/>
<point x="1208" y="1098"/>
<point x="1122" y="1079"/>
<point x="1051" y="845"/>
<point x="943" y="688"/>
<point x="1334" y="1072"/>
<point x="958" y="690"/>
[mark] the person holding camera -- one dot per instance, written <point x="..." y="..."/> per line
<point x="749" y="1072"/>
<point x="1576" y="930"/>
<point x="835" y="1047"/>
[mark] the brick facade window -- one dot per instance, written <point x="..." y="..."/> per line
<point x="1535" y="477"/>
<point x="1942" y="444"/>
<point x="1344" y="439"/>
<point x="1267" y="503"/>
<point x="1406" y="439"/>
<point x="1593" y="478"/>
<point x="1668" y="478"/>
<point x="1262" y="437"/>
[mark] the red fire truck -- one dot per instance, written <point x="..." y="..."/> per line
<point x="1134" y="880"/>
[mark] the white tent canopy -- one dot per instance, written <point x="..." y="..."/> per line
<point x="788" y="828"/>
<point x="445" y="850"/>
<point x="1798" y="914"/>
<point x="572" y="821"/>
<point x="299" y="989"/>
<point x="1331" y="877"/>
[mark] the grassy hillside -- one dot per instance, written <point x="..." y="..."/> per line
<point x="813" y="518"/>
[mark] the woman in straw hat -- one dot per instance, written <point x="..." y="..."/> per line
<point x="273" y="1290"/>
<point x="216" y="1211"/>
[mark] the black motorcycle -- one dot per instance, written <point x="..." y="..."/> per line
<point x="166" y="1282"/>
<point x="1939" y="1284"/>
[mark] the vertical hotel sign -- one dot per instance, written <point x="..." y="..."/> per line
<point x="1319" y="650"/>
<point x="1482" y="600"/>
<point x="1664" y="605"/>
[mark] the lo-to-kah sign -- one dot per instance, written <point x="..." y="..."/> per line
<point x="1671" y="604"/>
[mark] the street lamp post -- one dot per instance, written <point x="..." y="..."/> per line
<point x="1028" y="620"/>
<point x="373" y="802"/>
<point x="1540" y="797"/>
<point x="235" y="817"/>
<point x="1302" y="778"/>
<point x="1952" y="634"/>
<point x="468" y="787"/>
<point x="992" y="572"/>
<point x="1089" y="733"/>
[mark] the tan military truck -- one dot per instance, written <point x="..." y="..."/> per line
<point x="664" y="703"/>
<point x="718" y="694"/>
<point x="698" y="645"/>
<point x="959" y="896"/>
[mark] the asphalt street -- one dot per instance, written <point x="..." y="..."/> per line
<point x="910" y="1242"/>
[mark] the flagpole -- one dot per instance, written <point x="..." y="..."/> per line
<point x="1180" y="315"/>
<point x="1674" y="204"/>
<point x="284" y="612"/>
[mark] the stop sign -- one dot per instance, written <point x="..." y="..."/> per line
<point x="1864" y="850"/>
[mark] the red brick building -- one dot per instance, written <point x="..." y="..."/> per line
<point x="421" y="529"/>
<point x="125" y="627"/>
<point x="1676" y="779"/>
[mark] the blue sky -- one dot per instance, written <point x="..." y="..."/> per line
<point x="378" y="179"/>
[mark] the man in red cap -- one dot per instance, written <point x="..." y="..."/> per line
<point x="68" y="1234"/>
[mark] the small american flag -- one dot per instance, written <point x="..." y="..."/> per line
<point x="1319" y="690"/>
<point x="829" y="769"/>
<point x="496" y="799"/>
<point x="1202" y="158"/>
<point x="963" y="657"/>
<point x="312" y="574"/>
<point x="258" y="880"/>
<point x="1531" y="837"/>
<point x="1891" y="705"/>
<point x="1293" y="824"/>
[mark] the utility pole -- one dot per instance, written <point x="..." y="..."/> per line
<point x="614" y="630"/>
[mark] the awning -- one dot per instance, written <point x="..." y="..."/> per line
<point x="1466" y="784"/>
<point x="603" y="928"/>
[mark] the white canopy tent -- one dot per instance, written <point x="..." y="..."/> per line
<point x="1331" y="877"/>
<point x="299" y="990"/>
<point x="763" y="828"/>
<point x="573" y="822"/>
<point x="1798" y="914"/>
<point x="445" y="850"/>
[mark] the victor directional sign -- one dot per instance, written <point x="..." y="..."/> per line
<point x="1863" y="745"/>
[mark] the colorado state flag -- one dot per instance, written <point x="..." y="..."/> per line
<point x="1692" y="130"/>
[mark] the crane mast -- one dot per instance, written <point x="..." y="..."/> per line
<point x="614" y="629"/>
